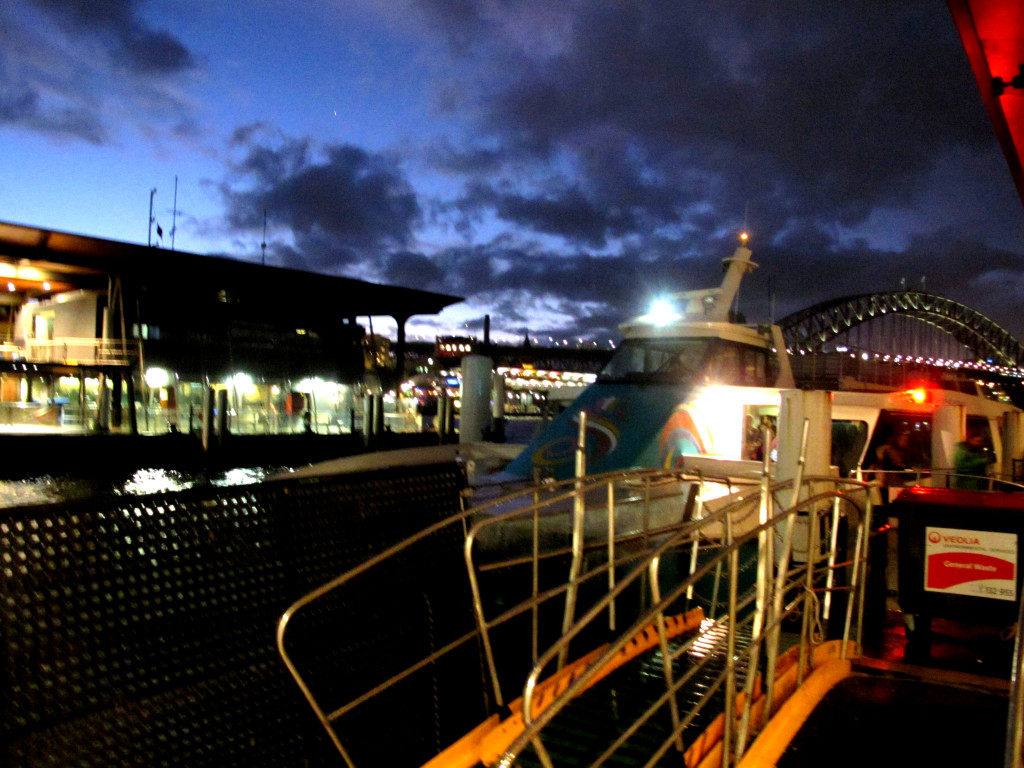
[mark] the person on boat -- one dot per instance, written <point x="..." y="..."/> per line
<point x="753" y="439"/>
<point x="892" y="457"/>
<point x="971" y="462"/>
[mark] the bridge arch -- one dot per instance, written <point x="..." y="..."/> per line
<point x="809" y="329"/>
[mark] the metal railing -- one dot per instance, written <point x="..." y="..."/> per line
<point x="79" y="351"/>
<point x="939" y="477"/>
<point x="749" y="519"/>
<point x="615" y="540"/>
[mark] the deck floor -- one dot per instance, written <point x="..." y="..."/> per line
<point x="941" y="703"/>
<point x="883" y="720"/>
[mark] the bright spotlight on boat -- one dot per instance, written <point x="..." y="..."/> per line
<point x="662" y="313"/>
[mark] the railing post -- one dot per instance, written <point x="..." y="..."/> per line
<point x="762" y="613"/>
<point x="578" y="512"/>
<point x="1013" y="754"/>
<point x="611" y="553"/>
<point x="666" y="652"/>
<point x="729" y="716"/>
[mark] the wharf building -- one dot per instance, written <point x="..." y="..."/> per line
<point x="101" y="335"/>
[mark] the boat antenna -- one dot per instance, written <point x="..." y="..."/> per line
<point x="263" y="245"/>
<point x="149" y="236"/>
<point x="174" y="213"/>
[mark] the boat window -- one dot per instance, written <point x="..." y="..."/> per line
<point x="657" y="360"/>
<point x="848" y="438"/>
<point x="916" y="448"/>
<point x="755" y="367"/>
<point x="994" y="392"/>
<point x="725" y="365"/>
<point x="678" y="360"/>
<point x="757" y="419"/>
<point x="739" y="364"/>
<point x="968" y="387"/>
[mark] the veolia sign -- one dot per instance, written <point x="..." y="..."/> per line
<point x="977" y="563"/>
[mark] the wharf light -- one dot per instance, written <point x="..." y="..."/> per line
<point x="157" y="378"/>
<point x="310" y="386"/>
<point x="243" y="384"/>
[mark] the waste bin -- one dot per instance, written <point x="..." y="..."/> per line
<point x="958" y="555"/>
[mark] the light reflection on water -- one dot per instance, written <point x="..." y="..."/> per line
<point x="49" y="489"/>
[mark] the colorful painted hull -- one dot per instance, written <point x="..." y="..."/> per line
<point x="628" y="426"/>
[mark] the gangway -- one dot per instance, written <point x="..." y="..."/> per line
<point x="633" y="619"/>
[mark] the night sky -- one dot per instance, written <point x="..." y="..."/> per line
<point x="558" y="163"/>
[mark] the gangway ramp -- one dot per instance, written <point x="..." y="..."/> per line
<point x="581" y="571"/>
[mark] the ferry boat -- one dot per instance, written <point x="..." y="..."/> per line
<point x="688" y="385"/>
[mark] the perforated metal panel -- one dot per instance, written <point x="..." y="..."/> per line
<point x="140" y="631"/>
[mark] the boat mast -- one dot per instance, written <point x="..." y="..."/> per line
<point x="739" y="264"/>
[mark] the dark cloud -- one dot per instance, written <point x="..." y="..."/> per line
<point x="645" y="130"/>
<point x="69" y="67"/>
<point x="465" y="160"/>
<point x="800" y="109"/>
<point x="129" y="40"/>
<point x="571" y="215"/>
<point x="340" y="204"/>
<point x="23" y="107"/>
<point x="413" y="270"/>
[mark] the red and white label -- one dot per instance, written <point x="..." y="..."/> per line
<point x="977" y="563"/>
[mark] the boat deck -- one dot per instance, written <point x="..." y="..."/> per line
<point x="920" y="722"/>
<point x="942" y="705"/>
